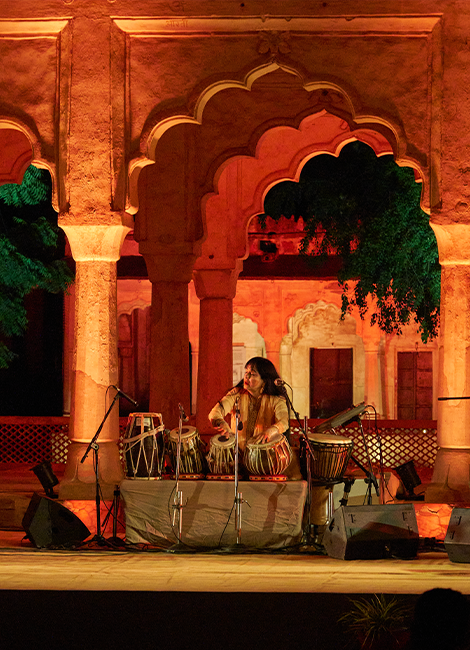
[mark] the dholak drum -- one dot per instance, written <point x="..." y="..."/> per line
<point x="221" y="456"/>
<point x="332" y="454"/>
<point x="191" y="459"/>
<point x="144" y="448"/>
<point x="268" y="459"/>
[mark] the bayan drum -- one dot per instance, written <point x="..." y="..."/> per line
<point x="332" y="454"/>
<point x="267" y="458"/>
<point x="191" y="460"/>
<point x="221" y="456"/>
<point x="144" y="448"/>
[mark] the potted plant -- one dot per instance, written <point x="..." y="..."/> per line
<point x="378" y="622"/>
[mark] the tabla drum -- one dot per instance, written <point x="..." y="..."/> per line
<point x="332" y="454"/>
<point x="191" y="459"/>
<point x="221" y="456"/>
<point x="267" y="458"/>
<point x="144" y="446"/>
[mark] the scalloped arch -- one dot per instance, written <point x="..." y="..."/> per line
<point x="25" y="150"/>
<point x="357" y="120"/>
<point x="334" y="148"/>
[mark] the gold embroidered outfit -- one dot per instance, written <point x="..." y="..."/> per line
<point x="256" y="414"/>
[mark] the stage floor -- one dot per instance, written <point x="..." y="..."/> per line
<point x="23" y="567"/>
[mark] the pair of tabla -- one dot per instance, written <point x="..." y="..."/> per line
<point x="260" y="459"/>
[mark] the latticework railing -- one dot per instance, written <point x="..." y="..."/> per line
<point x="34" y="439"/>
<point x="398" y="441"/>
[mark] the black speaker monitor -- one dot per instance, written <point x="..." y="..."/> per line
<point x="48" y="523"/>
<point x="457" y="540"/>
<point x="372" y="532"/>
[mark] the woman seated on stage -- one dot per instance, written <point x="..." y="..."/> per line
<point x="262" y="405"/>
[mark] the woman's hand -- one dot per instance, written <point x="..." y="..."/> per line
<point x="267" y="434"/>
<point x="222" y="427"/>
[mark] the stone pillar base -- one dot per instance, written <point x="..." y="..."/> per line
<point x="79" y="478"/>
<point x="451" y="477"/>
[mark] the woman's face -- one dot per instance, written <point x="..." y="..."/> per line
<point x="252" y="381"/>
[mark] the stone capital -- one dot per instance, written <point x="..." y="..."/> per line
<point x="453" y="241"/>
<point x="217" y="283"/>
<point x="372" y="340"/>
<point x="90" y="243"/>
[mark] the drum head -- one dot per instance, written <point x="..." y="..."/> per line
<point x="222" y="442"/>
<point x="186" y="433"/>
<point x="144" y="415"/>
<point x="328" y="439"/>
<point x="275" y="439"/>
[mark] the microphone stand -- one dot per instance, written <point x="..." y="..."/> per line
<point x="371" y="478"/>
<point x="94" y="445"/>
<point x="310" y="456"/>
<point x="178" y="499"/>
<point x="239" y="500"/>
<point x="114" y="540"/>
<point x="238" y="495"/>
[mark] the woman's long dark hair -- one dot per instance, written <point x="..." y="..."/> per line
<point x="268" y="373"/>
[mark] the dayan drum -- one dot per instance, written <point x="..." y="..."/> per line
<point x="144" y="447"/>
<point x="267" y="458"/>
<point x="221" y="456"/>
<point x="332" y="454"/>
<point x="191" y="459"/>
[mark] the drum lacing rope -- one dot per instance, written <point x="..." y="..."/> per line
<point x="145" y="434"/>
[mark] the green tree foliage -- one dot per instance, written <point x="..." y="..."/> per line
<point x="29" y="252"/>
<point x="367" y="211"/>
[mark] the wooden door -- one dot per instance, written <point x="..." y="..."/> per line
<point x="414" y="385"/>
<point x="331" y="381"/>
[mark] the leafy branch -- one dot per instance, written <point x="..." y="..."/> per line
<point x="30" y="251"/>
<point x="366" y="210"/>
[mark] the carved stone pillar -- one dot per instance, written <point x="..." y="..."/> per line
<point x="216" y="290"/>
<point x="451" y="477"/>
<point x="95" y="250"/>
<point x="170" y="275"/>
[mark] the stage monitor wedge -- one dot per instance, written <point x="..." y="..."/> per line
<point x="50" y="524"/>
<point x="457" y="539"/>
<point x="372" y="532"/>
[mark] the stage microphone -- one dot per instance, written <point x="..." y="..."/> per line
<point x="122" y="394"/>
<point x="182" y="413"/>
<point x="280" y="383"/>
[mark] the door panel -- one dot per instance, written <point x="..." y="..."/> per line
<point x="331" y="381"/>
<point x="414" y="385"/>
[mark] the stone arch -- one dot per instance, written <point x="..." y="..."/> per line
<point x="20" y="148"/>
<point x="17" y="152"/>
<point x="332" y="95"/>
<point x="245" y="330"/>
<point x="281" y="154"/>
<point x="318" y="325"/>
<point x="251" y="344"/>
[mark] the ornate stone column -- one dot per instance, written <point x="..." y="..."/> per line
<point x="216" y="290"/>
<point x="95" y="250"/>
<point x="170" y="273"/>
<point x="450" y="482"/>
